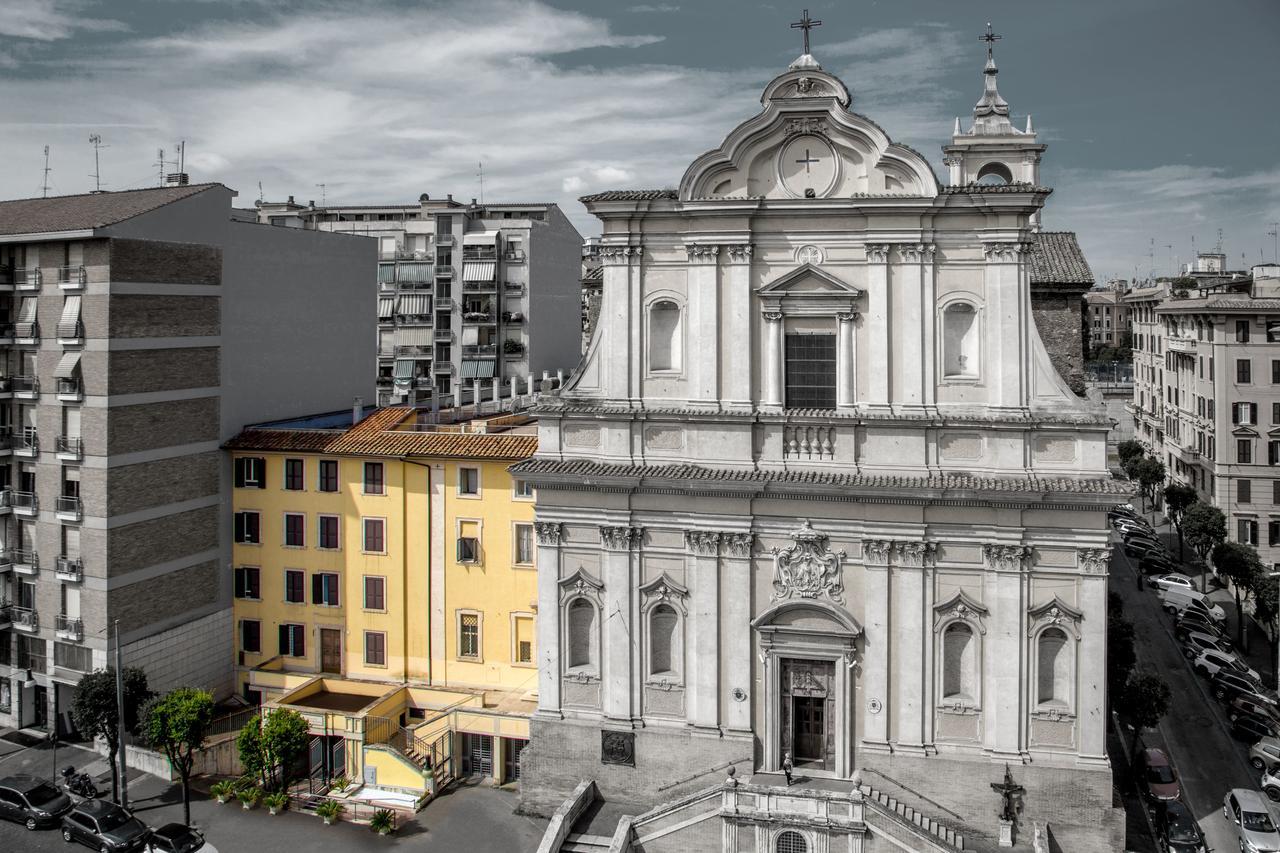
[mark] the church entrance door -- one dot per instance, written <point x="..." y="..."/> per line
<point x="808" y="712"/>
<point x="810" y="730"/>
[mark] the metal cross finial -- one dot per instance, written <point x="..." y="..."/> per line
<point x="990" y="38"/>
<point x="806" y="24"/>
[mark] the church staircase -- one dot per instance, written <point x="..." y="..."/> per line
<point x="897" y="810"/>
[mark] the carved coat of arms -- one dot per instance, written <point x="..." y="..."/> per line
<point x="808" y="569"/>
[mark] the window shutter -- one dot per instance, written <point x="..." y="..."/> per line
<point x="284" y="639"/>
<point x="239" y="532"/>
<point x="239" y="468"/>
<point x="252" y="520"/>
<point x="299" y="641"/>
<point x="331" y="589"/>
<point x="239" y="583"/>
<point x="262" y="472"/>
<point x="317" y="589"/>
<point x="1235" y="413"/>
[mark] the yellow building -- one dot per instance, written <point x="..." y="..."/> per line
<point x="384" y="587"/>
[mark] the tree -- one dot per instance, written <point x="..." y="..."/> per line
<point x="1129" y="450"/>
<point x="1149" y="474"/>
<point x="253" y="757"/>
<point x="1177" y="497"/>
<point x="94" y="710"/>
<point x="285" y="736"/>
<point x="1120" y="652"/>
<point x="1145" y="700"/>
<point x="177" y="724"/>
<point x="1205" y="528"/>
<point x="1239" y="564"/>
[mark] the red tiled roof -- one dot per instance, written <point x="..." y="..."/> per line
<point x="314" y="440"/>
<point x="85" y="212"/>
<point x="1056" y="258"/>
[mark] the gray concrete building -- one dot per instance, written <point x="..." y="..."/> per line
<point x="138" y="330"/>
<point x="468" y="295"/>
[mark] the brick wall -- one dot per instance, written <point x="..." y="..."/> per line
<point x="163" y="481"/>
<point x="150" y="425"/>
<point x="150" y="316"/>
<point x="139" y="371"/>
<point x="171" y="263"/>
<point x="160" y="598"/>
<point x="160" y="540"/>
<point x="1059" y="318"/>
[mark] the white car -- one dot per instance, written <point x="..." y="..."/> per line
<point x="1210" y="661"/>
<point x="1270" y="784"/>
<point x="1173" y="580"/>
<point x="1250" y="817"/>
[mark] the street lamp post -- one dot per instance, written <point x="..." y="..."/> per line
<point x="124" y="779"/>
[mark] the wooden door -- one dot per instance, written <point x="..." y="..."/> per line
<point x="331" y="650"/>
<point x="809" y="713"/>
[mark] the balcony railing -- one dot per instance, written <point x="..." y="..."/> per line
<point x="513" y="316"/>
<point x="513" y="349"/>
<point x="25" y="619"/>
<point x="70" y="390"/>
<point x="444" y="334"/>
<point x="28" y="443"/>
<point x="6" y="332"/>
<point x="71" y="278"/>
<point x="29" y="332"/>
<point x="480" y="349"/>
<point x="73" y="331"/>
<point x="24" y="385"/>
<point x="69" y="627"/>
<point x="69" y="569"/>
<point x="444" y="239"/>
<point x="24" y="503"/>
<point x="513" y="288"/>
<point x="444" y="303"/>
<point x="479" y="286"/>
<point x="6" y="440"/>
<point x="478" y="317"/>
<point x="70" y="507"/>
<point x="26" y="278"/>
<point x="24" y="561"/>
<point x="6" y="614"/>
<point x="514" y="256"/>
<point x="442" y="367"/>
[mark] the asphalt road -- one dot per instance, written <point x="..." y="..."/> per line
<point x="474" y="819"/>
<point x="1195" y="731"/>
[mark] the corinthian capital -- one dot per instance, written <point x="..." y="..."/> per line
<point x="704" y="543"/>
<point x="549" y="532"/>
<point x="620" y="538"/>
<point x="878" y="253"/>
<point x="702" y="253"/>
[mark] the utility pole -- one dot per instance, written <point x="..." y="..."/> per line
<point x="124" y="765"/>
<point x="160" y="163"/>
<point x="324" y="198"/>
<point x="480" y="175"/>
<point x="96" y="141"/>
<point x="1274" y="234"/>
<point x="44" y="188"/>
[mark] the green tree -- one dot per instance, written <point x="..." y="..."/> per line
<point x="1177" y="497"/>
<point x="1120" y="651"/>
<point x="1129" y="450"/>
<point x="1205" y="528"/>
<point x="253" y="757"/>
<point x="1149" y="473"/>
<point x="1239" y="564"/>
<point x="1145" y="701"/>
<point x="94" y="710"/>
<point x="285" y="736"/>
<point x="177" y="723"/>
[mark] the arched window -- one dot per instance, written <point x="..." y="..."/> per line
<point x="996" y="174"/>
<point x="582" y="627"/>
<point x="664" y="336"/>
<point x="664" y="647"/>
<point x="960" y="340"/>
<point x="1053" y="669"/>
<point x="959" y="648"/>
<point x="790" y="841"/>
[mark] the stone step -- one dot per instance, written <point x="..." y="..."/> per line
<point x="582" y="843"/>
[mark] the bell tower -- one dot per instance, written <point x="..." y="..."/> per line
<point x="992" y="150"/>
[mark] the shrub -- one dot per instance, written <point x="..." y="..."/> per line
<point x="330" y="810"/>
<point x="382" y="822"/>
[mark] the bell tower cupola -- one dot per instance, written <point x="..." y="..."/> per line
<point x="992" y="150"/>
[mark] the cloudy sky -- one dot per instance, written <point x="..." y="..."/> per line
<point x="1160" y="115"/>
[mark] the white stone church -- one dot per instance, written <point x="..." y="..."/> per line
<point x="819" y="496"/>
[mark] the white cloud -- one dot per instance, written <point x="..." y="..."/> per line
<point x="51" y="20"/>
<point x="572" y="184"/>
<point x="650" y="7"/>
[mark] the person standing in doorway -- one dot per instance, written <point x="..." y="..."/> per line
<point x="787" y="767"/>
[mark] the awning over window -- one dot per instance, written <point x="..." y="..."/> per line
<point x="480" y="238"/>
<point x="478" y="369"/>
<point x="414" y="303"/>
<point x="414" y="336"/>
<point x="386" y="307"/>
<point x="403" y="369"/>
<point x="69" y="322"/>
<point x="416" y="271"/>
<point x="478" y="270"/>
<point x="67" y="365"/>
<point x="386" y="273"/>
<point x="470" y="335"/>
<point x="27" y="310"/>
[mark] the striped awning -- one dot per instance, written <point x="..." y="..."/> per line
<point x="414" y="336"/>
<point x="386" y="273"/>
<point x="478" y="270"/>
<point x="403" y="369"/>
<point x="67" y="365"/>
<point x="27" y="309"/>
<point x="415" y="271"/>
<point x="414" y="303"/>
<point x="386" y="307"/>
<point x="483" y="369"/>
<point x="69" y="322"/>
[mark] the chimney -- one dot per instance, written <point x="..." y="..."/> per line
<point x="290" y="199"/>
<point x="357" y="409"/>
<point x="450" y="196"/>
<point x="311" y="204"/>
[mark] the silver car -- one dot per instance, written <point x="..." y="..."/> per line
<point x="1250" y="814"/>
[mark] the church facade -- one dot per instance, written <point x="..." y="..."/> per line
<point x="817" y="497"/>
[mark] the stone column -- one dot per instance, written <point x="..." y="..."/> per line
<point x="908" y="579"/>
<point x="619" y="623"/>
<point x="876" y="638"/>
<point x="549" y="535"/>
<point x="846" y="360"/>
<point x="773" y="356"/>
<point x="619" y="333"/>
<point x="704" y="657"/>
<point x="1006" y="366"/>
<point x="736" y="384"/>
<point x="877" y="324"/>
<point x="1004" y="665"/>
<point x="736" y="598"/>
<point x="1091" y="710"/>
<point x="703" y="324"/>
<point x="908" y="326"/>
<point x="929" y="313"/>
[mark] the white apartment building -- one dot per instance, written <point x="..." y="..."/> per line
<point x="1207" y="392"/>
<point x="471" y="298"/>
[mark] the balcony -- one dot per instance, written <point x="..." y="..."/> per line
<point x="27" y="443"/>
<point x="6" y="278"/>
<point x="442" y="367"/>
<point x="513" y="288"/>
<point x="71" y="278"/>
<point x="24" y="503"/>
<point x="6" y="443"/>
<point x="1180" y="344"/>
<point x="479" y="286"/>
<point x="25" y="619"/>
<point x="71" y="334"/>
<point x="27" y="334"/>
<point x="24" y="387"/>
<point x="478" y="318"/>
<point x="26" y="278"/>
<point x="70" y="390"/>
<point x="69" y="627"/>
<point x="24" y="562"/>
<point x="480" y="349"/>
<point x="6" y="615"/>
<point x="444" y="303"/>
<point x="384" y="381"/>
<point x="6" y="333"/>
<point x="444" y="239"/>
<point x="514" y="256"/>
<point x="444" y="334"/>
<point x="6" y="501"/>
<point x="69" y="508"/>
<point x="69" y="569"/>
<point x="514" y="317"/>
<point x="513" y="349"/>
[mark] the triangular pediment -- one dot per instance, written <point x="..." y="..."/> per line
<point x="1245" y="430"/>
<point x="809" y="280"/>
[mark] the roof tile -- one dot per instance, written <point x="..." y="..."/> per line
<point x="84" y="212"/>
<point x="1056" y="258"/>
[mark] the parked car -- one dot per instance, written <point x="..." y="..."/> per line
<point x="1129" y="529"/>
<point x="1172" y="580"/>
<point x="1200" y="603"/>
<point x="1177" y="829"/>
<point x="1195" y="642"/>
<point x="1247" y="811"/>
<point x="1265" y="754"/>
<point x="1251" y="705"/>
<point x="1156" y="564"/>
<point x="1228" y="684"/>
<point x="1270" y="783"/>
<point x="1211" y="661"/>
<point x="1175" y="599"/>
<point x="1141" y="547"/>
<point x="1140" y="534"/>
<point x="1251" y="729"/>
<point x="1159" y="780"/>
<point x="1193" y="619"/>
<point x="178" y="838"/>
<point x="32" y="801"/>
<point x="103" y="825"/>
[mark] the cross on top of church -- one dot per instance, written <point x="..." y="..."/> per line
<point x="989" y="37"/>
<point x="806" y="24"/>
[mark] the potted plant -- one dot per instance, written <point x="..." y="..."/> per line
<point x="330" y="810"/>
<point x="275" y="802"/>
<point x="383" y="821"/>
<point x="338" y="784"/>
<point x="249" y="797"/>
<point x="222" y="791"/>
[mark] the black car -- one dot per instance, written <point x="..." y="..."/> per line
<point x="1196" y="620"/>
<point x="1251" y="728"/>
<point x="1177" y="829"/>
<point x="31" y="801"/>
<point x="1228" y="685"/>
<point x="176" y="838"/>
<point x="104" y="826"/>
<point x="1156" y="564"/>
<point x="1141" y="548"/>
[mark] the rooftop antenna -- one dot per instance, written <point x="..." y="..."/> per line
<point x="96" y="141"/>
<point x="1218" y="248"/>
<point x="480" y="175"/>
<point x="1274" y="234"/>
<point x="1172" y="265"/>
<point x="261" y="197"/>
<point x="323" y="198"/>
<point x="1151" y="257"/>
<point x="160" y="162"/>
<point x="44" y="188"/>
<point x="179" y="178"/>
